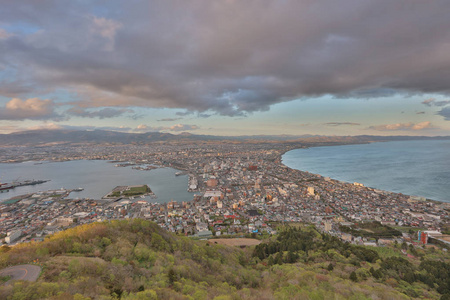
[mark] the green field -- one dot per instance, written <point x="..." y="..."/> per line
<point x="134" y="191"/>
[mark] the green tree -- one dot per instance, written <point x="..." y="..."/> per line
<point x="172" y="276"/>
<point x="330" y="267"/>
<point x="353" y="276"/>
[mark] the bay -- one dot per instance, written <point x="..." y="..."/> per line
<point x="96" y="177"/>
<point x="419" y="168"/>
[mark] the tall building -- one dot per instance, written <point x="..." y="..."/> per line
<point x="310" y="190"/>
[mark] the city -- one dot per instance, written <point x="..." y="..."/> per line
<point x="238" y="188"/>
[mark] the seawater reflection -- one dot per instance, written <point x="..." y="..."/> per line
<point x="96" y="177"/>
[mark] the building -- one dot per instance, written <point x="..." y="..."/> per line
<point x="310" y="191"/>
<point x="211" y="183"/>
<point x="422" y="237"/>
<point x="328" y="226"/>
<point x="13" y="236"/>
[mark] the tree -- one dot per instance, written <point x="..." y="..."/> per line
<point x="172" y="276"/>
<point x="330" y="267"/>
<point x="353" y="277"/>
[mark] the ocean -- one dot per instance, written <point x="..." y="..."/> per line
<point x="419" y="168"/>
<point x="97" y="177"/>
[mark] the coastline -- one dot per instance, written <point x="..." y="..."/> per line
<point x="282" y="153"/>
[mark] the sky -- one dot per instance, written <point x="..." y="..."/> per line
<point x="266" y="67"/>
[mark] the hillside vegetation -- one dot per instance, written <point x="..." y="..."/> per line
<point x="135" y="259"/>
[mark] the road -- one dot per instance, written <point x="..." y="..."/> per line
<point x="22" y="272"/>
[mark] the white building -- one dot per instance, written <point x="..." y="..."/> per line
<point x="13" y="236"/>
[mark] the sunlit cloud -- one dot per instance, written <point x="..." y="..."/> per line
<point x="183" y="127"/>
<point x="434" y="102"/>
<point x="32" y="109"/>
<point x="404" y="126"/>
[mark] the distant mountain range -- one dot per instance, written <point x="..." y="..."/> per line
<point x="72" y="137"/>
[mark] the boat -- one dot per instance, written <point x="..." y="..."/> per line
<point x="78" y="189"/>
<point x="6" y="186"/>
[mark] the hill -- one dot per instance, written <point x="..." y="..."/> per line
<point x="135" y="259"/>
<point x="75" y="137"/>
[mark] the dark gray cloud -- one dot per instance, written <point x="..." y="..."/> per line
<point x="203" y="115"/>
<point x="445" y="112"/>
<point x="103" y="113"/>
<point x="169" y="119"/>
<point x="341" y="123"/>
<point x="228" y="57"/>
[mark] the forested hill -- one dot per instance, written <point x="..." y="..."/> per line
<point x="135" y="259"/>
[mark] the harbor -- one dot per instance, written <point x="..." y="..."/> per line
<point x="97" y="178"/>
<point x="5" y="187"/>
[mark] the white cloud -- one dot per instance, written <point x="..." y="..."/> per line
<point x="183" y="127"/>
<point x="33" y="109"/>
<point x="404" y="126"/>
<point x="48" y="126"/>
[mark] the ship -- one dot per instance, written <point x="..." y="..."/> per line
<point x="6" y="186"/>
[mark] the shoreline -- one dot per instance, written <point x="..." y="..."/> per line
<point x="282" y="153"/>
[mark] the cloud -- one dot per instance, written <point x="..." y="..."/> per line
<point x="10" y="128"/>
<point x="403" y="126"/>
<point x="103" y="113"/>
<point x="4" y="34"/>
<point x="47" y="126"/>
<point x="14" y="128"/>
<point x="32" y="109"/>
<point x="227" y="57"/>
<point x="175" y="128"/>
<point x="341" y="123"/>
<point x="169" y="119"/>
<point x="184" y="113"/>
<point x="105" y="28"/>
<point x="433" y="102"/>
<point x="445" y="112"/>
<point x="183" y="127"/>
<point x="203" y="116"/>
<point x="142" y="126"/>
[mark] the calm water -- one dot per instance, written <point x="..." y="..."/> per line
<point x="96" y="177"/>
<point x="420" y="168"/>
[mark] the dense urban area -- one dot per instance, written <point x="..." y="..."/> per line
<point x="238" y="189"/>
